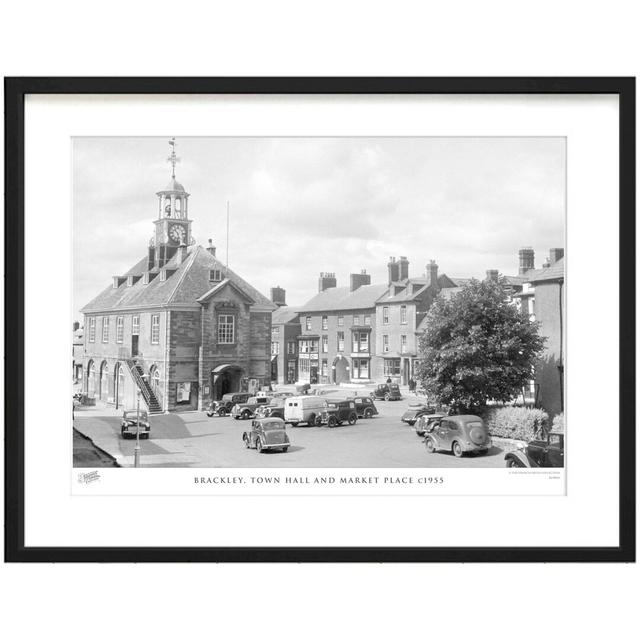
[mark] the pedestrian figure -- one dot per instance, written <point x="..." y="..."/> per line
<point x="389" y="380"/>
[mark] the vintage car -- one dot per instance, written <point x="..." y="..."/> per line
<point x="365" y="407"/>
<point x="426" y="422"/>
<point x="275" y="409"/>
<point x="386" y="392"/>
<point x="129" y="425"/>
<point x="338" y="411"/>
<point x="223" y="407"/>
<point x="304" y="409"/>
<point x="267" y="433"/>
<point x="546" y="452"/>
<point x="415" y="410"/>
<point x="458" y="434"/>
<point x="246" y="410"/>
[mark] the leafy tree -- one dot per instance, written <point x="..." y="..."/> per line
<point x="477" y="347"/>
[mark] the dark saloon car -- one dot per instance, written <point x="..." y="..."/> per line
<point x="458" y="434"/>
<point x="248" y="409"/>
<point x="547" y="452"/>
<point x="275" y="409"/>
<point x="365" y="407"/>
<point x="339" y="411"/>
<point x="129" y="425"/>
<point x="267" y="433"/>
<point x="427" y="421"/>
<point x="223" y="407"/>
<point x="387" y="392"/>
<point x="411" y="415"/>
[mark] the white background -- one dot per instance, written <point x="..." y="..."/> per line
<point x="489" y="38"/>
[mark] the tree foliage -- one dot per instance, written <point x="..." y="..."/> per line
<point x="477" y="346"/>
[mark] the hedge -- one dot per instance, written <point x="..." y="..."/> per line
<point x="519" y="423"/>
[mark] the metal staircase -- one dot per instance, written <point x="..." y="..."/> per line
<point x="150" y="398"/>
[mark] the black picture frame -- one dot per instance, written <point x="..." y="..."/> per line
<point x="15" y="91"/>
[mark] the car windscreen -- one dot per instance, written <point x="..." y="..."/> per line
<point x="270" y="426"/>
<point x="393" y="387"/>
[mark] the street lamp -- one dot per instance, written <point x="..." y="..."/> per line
<point x="136" y="451"/>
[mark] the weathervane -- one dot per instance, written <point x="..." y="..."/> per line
<point x="173" y="158"/>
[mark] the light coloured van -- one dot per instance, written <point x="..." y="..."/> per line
<point x="306" y="409"/>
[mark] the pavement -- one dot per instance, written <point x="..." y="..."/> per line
<point x="195" y="440"/>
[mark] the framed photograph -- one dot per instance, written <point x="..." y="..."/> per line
<point x="320" y="319"/>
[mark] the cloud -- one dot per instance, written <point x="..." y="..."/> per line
<point x="304" y="205"/>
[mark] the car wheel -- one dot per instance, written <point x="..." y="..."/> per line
<point x="386" y="397"/>
<point x="457" y="450"/>
<point x="431" y="447"/>
<point x="122" y="431"/>
<point x="294" y="424"/>
<point x="312" y="420"/>
<point x="512" y="462"/>
<point x="222" y="412"/>
<point x="236" y="417"/>
<point x="285" y="449"/>
<point x="353" y="418"/>
<point x="209" y="414"/>
<point x="246" y="415"/>
<point x="411" y="422"/>
<point x="368" y="413"/>
<point x="245" y="439"/>
<point x="259" y="445"/>
<point x="332" y="422"/>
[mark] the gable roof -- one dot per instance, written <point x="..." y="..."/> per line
<point x="222" y="285"/>
<point x="188" y="282"/>
<point x="342" y="299"/>
<point x="553" y="272"/>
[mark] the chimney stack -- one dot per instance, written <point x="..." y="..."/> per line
<point x="357" y="280"/>
<point x="431" y="273"/>
<point x="527" y="260"/>
<point x="492" y="275"/>
<point x="403" y="268"/>
<point x="211" y="249"/>
<point x="278" y="296"/>
<point x="394" y="270"/>
<point x="556" y="254"/>
<point x="327" y="281"/>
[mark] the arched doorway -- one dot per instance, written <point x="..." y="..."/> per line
<point x="91" y="379"/>
<point x="225" y="379"/>
<point x="119" y="382"/>
<point x="341" y="370"/>
<point x="104" y="381"/>
<point x="154" y="380"/>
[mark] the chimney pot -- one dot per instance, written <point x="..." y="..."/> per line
<point x="211" y="249"/>
<point x="527" y="260"/>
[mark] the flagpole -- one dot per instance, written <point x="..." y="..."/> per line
<point x="227" y="265"/>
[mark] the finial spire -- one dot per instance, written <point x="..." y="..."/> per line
<point x="173" y="158"/>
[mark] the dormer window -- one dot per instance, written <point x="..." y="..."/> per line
<point x="215" y="275"/>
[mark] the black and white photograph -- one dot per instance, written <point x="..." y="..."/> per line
<point x="319" y="302"/>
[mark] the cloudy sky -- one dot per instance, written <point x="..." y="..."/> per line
<point x="300" y="206"/>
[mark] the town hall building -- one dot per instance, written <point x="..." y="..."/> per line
<point x="179" y="326"/>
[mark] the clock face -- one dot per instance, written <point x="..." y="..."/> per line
<point x="177" y="233"/>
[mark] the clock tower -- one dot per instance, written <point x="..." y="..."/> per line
<point x="173" y="227"/>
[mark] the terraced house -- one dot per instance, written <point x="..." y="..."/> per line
<point x="366" y="332"/>
<point x="179" y="326"/>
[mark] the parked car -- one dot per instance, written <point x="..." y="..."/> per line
<point x="415" y="410"/>
<point x="247" y="410"/>
<point x="267" y="433"/>
<point x="275" y="409"/>
<point x="307" y="409"/>
<point x="546" y="452"/>
<point x="426" y="422"/>
<point x="387" y="392"/>
<point x="129" y="425"/>
<point x="339" y="411"/>
<point x="459" y="434"/>
<point x="223" y="407"/>
<point x="365" y="407"/>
